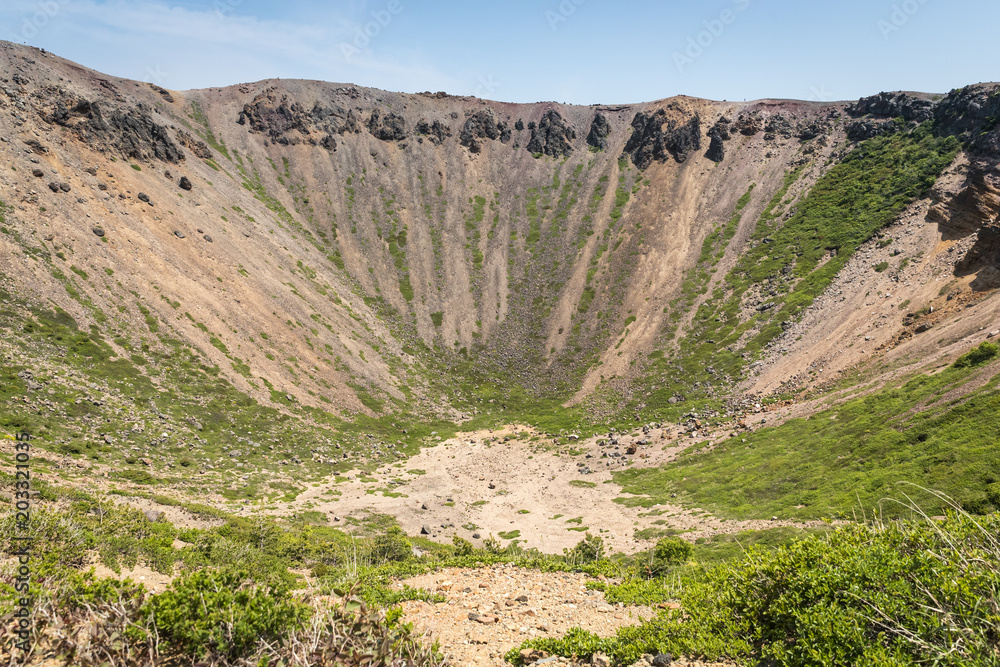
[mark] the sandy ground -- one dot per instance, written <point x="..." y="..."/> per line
<point x="476" y="484"/>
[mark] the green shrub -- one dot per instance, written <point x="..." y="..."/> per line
<point x="587" y="550"/>
<point x="888" y="594"/>
<point x="667" y="553"/>
<point x="463" y="547"/>
<point x="218" y="612"/>
<point x="978" y="355"/>
<point x="392" y="546"/>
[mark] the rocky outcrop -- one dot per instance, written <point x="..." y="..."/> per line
<point x="287" y="122"/>
<point x="654" y="137"/>
<point x="196" y="146"/>
<point x="811" y="130"/>
<point x="859" y="130"/>
<point x="975" y="209"/>
<point x="552" y="136"/>
<point x="976" y="205"/>
<point x="749" y="123"/>
<point x="435" y="132"/>
<point x="483" y="124"/>
<point x="893" y="105"/>
<point x="973" y="114"/>
<point x="719" y="134"/>
<point x="778" y="126"/>
<point x="128" y="131"/>
<point x="599" y="131"/>
<point x="886" y="113"/>
<point x="390" y="127"/>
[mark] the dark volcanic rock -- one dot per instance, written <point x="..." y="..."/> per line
<point x="129" y="131"/>
<point x="719" y="134"/>
<point x="893" y="105"/>
<point x="656" y="138"/>
<point x="599" y="131"/>
<point x="287" y="122"/>
<point x="552" y="136"/>
<point x="196" y="146"/>
<point x="811" y="130"/>
<point x="185" y="183"/>
<point x="778" y="125"/>
<point x="390" y="127"/>
<point x="483" y="124"/>
<point x="859" y="130"/>
<point x="435" y="132"/>
<point x="749" y="123"/>
<point x="972" y="114"/>
<point x="519" y="125"/>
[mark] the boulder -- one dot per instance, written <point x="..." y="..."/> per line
<point x="599" y="131"/>
<point x="551" y="136"/>
<point x="185" y="183"/>
<point x="657" y="137"/>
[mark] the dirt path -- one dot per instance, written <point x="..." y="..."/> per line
<point x="489" y="611"/>
<point x="476" y="485"/>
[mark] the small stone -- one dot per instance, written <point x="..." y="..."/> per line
<point x="662" y="660"/>
<point x="143" y="197"/>
<point x="179" y="234"/>
<point x="37" y="173"/>
<point x="425" y="530"/>
<point x="475" y="536"/>
<point x="487" y="619"/>
<point x="97" y="230"/>
<point x="600" y="660"/>
<point x="153" y="515"/>
<point x="207" y="238"/>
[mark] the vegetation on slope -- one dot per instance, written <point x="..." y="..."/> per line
<point x="856" y="453"/>
<point x="790" y="263"/>
<point x="889" y="594"/>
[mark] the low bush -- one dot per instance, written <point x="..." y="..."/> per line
<point x="885" y="593"/>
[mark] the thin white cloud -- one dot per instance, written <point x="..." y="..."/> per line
<point x="204" y="45"/>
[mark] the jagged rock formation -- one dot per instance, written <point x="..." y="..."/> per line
<point x="973" y="114"/>
<point x="599" y="131"/>
<point x="129" y="132"/>
<point x="893" y="105"/>
<point x="483" y="124"/>
<point x="719" y="134"/>
<point x="286" y="121"/>
<point x="435" y="132"/>
<point x="391" y="127"/>
<point x="552" y="136"/>
<point x="657" y="138"/>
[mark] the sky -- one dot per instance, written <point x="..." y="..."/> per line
<point x="571" y="51"/>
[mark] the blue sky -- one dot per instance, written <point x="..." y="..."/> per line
<point x="577" y="51"/>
